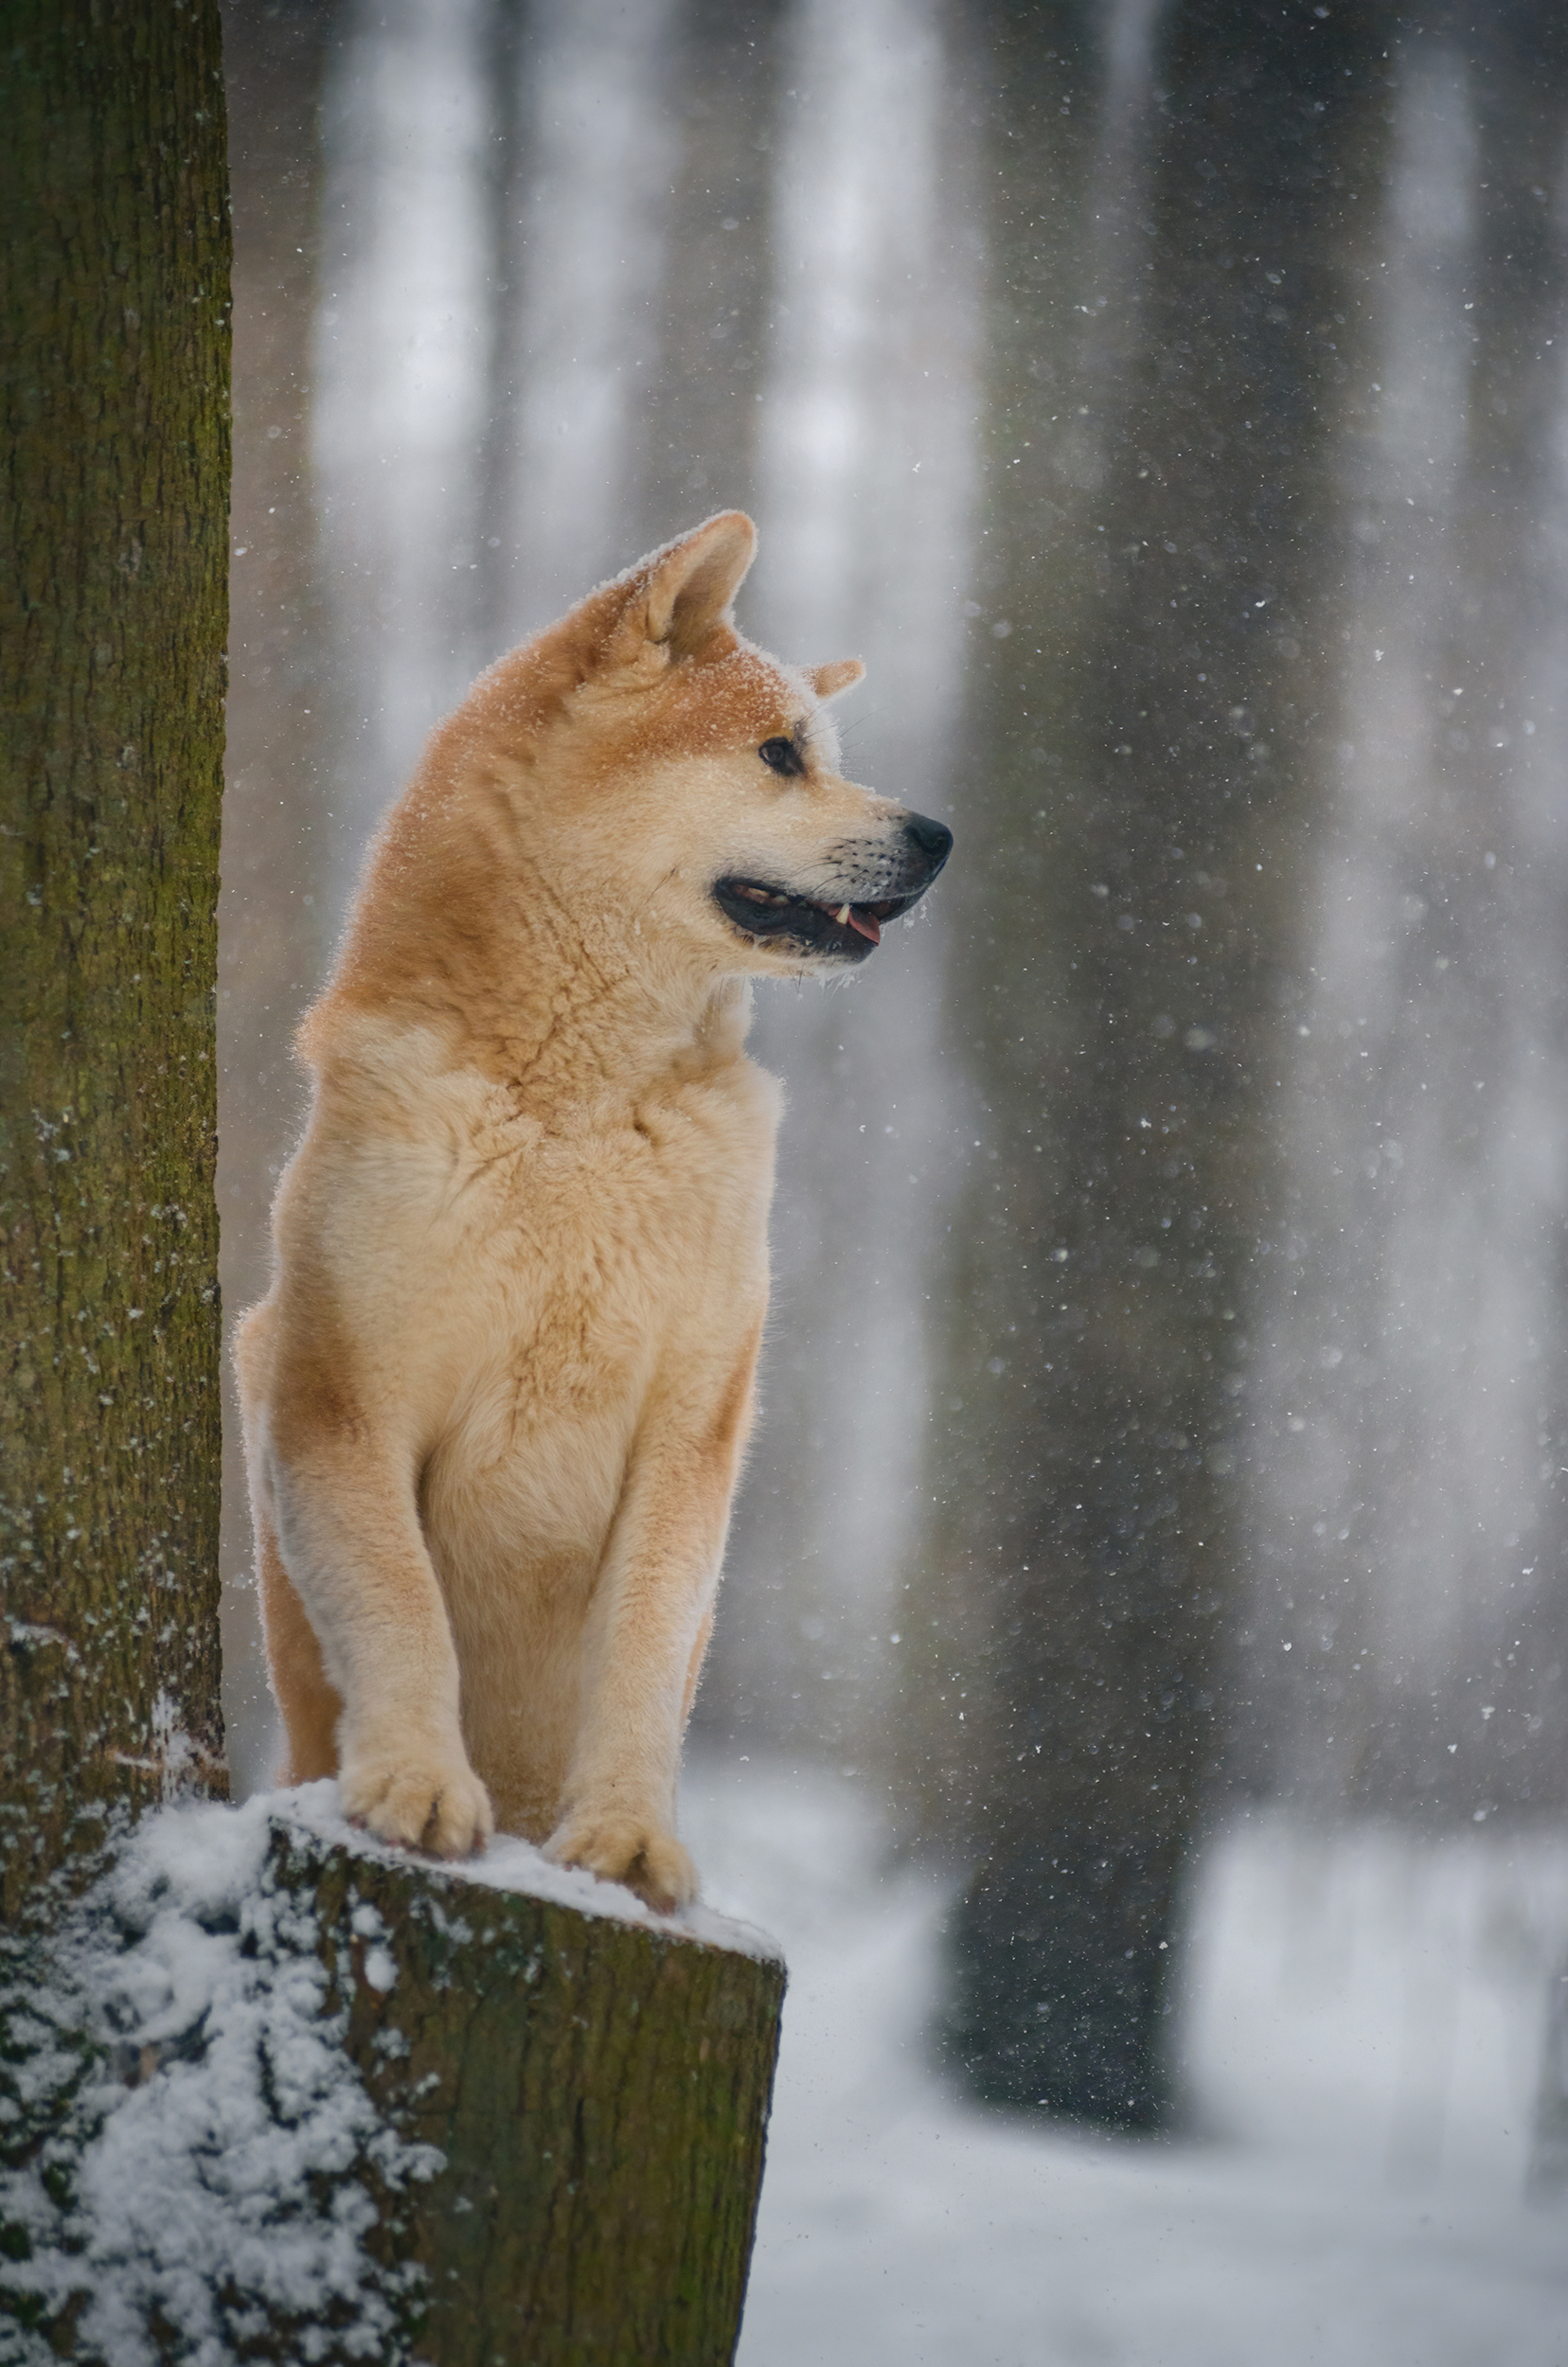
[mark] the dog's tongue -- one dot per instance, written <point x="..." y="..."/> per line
<point x="868" y="925"/>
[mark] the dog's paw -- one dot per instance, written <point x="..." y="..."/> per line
<point x="429" y="1799"/>
<point x="630" y="1849"/>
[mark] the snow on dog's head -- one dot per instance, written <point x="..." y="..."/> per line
<point x="673" y="791"/>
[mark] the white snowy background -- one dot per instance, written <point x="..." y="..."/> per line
<point x="1360" y="2046"/>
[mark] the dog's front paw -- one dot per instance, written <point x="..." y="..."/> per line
<point x="630" y="1849"/>
<point x="426" y="1797"/>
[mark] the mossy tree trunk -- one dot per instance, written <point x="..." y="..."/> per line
<point x="1147" y="717"/>
<point x="381" y="2109"/>
<point x="598" y="2091"/>
<point x="113" y="616"/>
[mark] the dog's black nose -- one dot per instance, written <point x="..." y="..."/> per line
<point x="934" y="839"/>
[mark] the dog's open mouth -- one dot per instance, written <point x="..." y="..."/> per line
<point x="849" y="930"/>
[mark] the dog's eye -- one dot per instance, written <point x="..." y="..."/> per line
<point x="782" y="754"/>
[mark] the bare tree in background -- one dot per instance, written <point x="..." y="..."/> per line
<point x="1146" y="712"/>
<point x="1407" y="1491"/>
<point x="698" y="425"/>
<point x="865" y="472"/>
<point x="275" y="927"/>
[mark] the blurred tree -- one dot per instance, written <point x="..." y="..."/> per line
<point x="698" y="428"/>
<point x="273" y="923"/>
<point x="111" y="634"/>
<point x="1147" y="688"/>
<point x="1510" y="637"/>
<point x="1406" y="1499"/>
<point x="865" y="474"/>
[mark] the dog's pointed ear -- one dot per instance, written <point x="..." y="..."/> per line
<point x="827" y="681"/>
<point x="694" y="581"/>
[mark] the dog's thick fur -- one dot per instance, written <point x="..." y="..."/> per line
<point x="495" y="1403"/>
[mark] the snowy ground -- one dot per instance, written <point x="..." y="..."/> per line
<point x="1361" y="2045"/>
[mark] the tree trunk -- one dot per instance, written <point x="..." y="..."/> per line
<point x="314" y="2100"/>
<point x="1146" y="722"/>
<point x="112" y="614"/>
<point x="1410" y="1497"/>
<point x="1547" y="2175"/>
<point x="698" y="425"/>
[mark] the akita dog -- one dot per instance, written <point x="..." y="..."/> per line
<point x="495" y="1403"/>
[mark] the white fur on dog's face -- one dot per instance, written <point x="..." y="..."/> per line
<point x="676" y="792"/>
<point x="808" y="835"/>
<point x="693" y="832"/>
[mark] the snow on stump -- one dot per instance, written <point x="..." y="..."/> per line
<point x="282" y="2093"/>
<point x="597" y="2092"/>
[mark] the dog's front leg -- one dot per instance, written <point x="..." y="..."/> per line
<point x="650" y="1614"/>
<point x="348" y="1526"/>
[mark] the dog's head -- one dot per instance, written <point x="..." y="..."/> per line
<point x="691" y="783"/>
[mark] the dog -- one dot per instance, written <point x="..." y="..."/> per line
<point x="495" y="1403"/>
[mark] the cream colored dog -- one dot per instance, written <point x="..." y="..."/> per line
<point x="495" y="1403"/>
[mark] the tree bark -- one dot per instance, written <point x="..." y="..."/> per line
<point x="112" y="614"/>
<point x="1147" y="715"/>
<point x="599" y="2090"/>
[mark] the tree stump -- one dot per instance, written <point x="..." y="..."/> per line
<point x="599" y="2090"/>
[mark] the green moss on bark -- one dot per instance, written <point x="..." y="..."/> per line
<point x="599" y="2090"/>
<point x="112" y="618"/>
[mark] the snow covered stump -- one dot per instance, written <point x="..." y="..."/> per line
<point x="597" y="2092"/>
<point x="338" y="2104"/>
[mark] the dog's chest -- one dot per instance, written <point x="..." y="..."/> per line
<point x="614" y="1260"/>
<point x="622" y="1237"/>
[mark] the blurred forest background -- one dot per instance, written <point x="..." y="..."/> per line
<point x="1169" y="399"/>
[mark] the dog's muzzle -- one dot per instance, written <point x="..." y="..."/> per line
<point x="851" y="923"/>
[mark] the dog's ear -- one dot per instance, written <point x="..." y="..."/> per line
<point x="694" y="581"/>
<point x="827" y="681"/>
